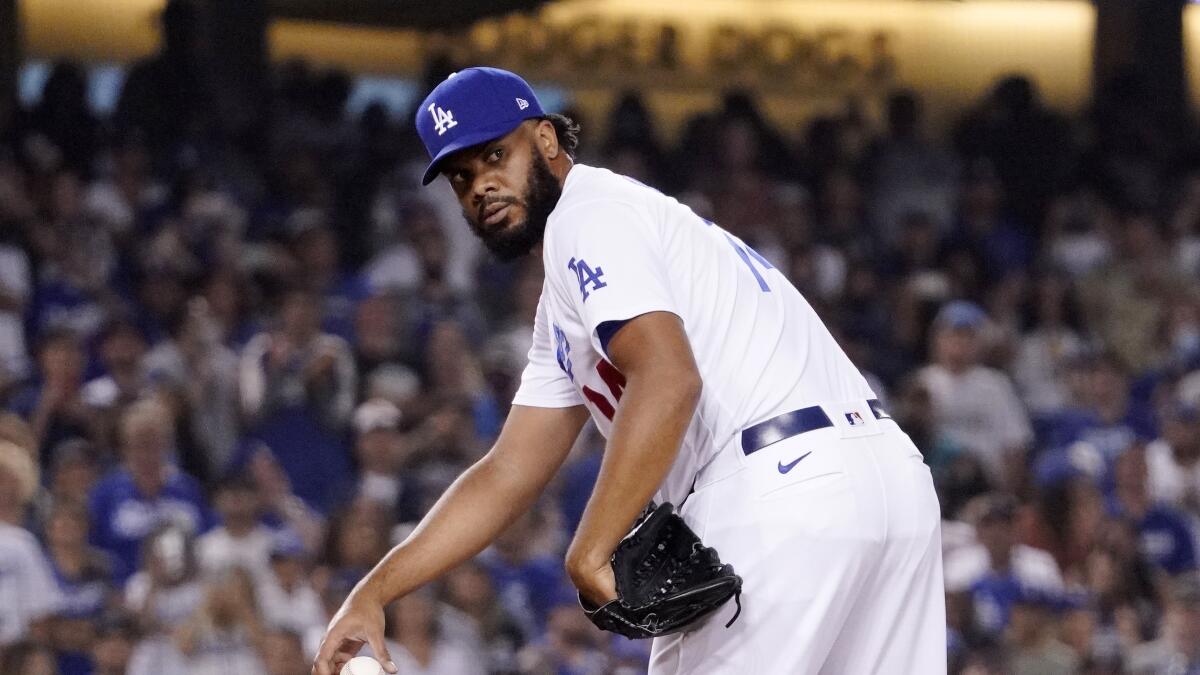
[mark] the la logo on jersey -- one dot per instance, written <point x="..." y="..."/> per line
<point x="587" y="276"/>
<point x="442" y="119"/>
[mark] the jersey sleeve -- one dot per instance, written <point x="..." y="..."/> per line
<point x="613" y="263"/>
<point x="544" y="384"/>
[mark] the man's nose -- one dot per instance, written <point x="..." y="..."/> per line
<point x="484" y="185"/>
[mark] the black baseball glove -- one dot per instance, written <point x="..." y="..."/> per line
<point x="667" y="579"/>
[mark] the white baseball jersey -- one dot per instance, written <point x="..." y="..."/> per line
<point x="615" y="249"/>
<point x="840" y="554"/>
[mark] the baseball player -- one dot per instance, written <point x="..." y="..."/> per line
<point x="718" y="389"/>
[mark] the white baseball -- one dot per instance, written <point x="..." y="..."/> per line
<point x="362" y="665"/>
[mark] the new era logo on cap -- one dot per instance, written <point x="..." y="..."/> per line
<point x="472" y="106"/>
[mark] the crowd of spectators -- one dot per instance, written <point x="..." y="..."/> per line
<point x="238" y="362"/>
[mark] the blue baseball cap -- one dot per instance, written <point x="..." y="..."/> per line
<point x="961" y="314"/>
<point x="470" y="107"/>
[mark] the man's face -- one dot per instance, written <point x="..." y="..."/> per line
<point x="146" y="445"/>
<point x="123" y="350"/>
<point x="996" y="535"/>
<point x="956" y="346"/>
<point x="506" y="190"/>
<point x="238" y="505"/>
<point x="62" y="360"/>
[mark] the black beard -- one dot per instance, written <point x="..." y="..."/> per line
<point x="540" y="199"/>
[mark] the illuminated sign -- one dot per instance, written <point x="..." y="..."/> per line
<point x="622" y="51"/>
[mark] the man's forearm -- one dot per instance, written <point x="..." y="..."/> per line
<point x="476" y="508"/>
<point x="647" y="432"/>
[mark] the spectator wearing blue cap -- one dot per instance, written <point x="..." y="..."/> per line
<point x="1036" y="647"/>
<point x="1105" y="416"/>
<point x="975" y="406"/>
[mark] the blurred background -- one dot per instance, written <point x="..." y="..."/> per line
<point x="241" y="353"/>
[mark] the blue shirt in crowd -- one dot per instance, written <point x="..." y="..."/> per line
<point x="122" y="517"/>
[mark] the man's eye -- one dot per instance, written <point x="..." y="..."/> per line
<point x="495" y="155"/>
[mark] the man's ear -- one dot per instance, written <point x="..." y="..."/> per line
<point x="546" y="139"/>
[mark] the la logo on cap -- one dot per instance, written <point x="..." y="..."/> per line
<point x="522" y="103"/>
<point x="442" y="119"/>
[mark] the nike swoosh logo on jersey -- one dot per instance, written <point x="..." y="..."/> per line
<point x="784" y="468"/>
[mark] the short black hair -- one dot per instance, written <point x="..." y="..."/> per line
<point x="567" y="130"/>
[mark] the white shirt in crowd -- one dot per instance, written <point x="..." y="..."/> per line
<point x="156" y="655"/>
<point x="28" y="591"/>
<point x="218" y="550"/>
<point x="1031" y="566"/>
<point x="170" y="606"/>
<point x="448" y="658"/>
<point x="615" y="249"/>
<point x="979" y="410"/>
<point x="14" y="282"/>
<point x="1170" y="481"/>
<point x="299" y="609"/>
<point x="1037" y="368"/>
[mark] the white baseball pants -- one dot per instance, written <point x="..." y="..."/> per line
<point x="840" y="554"/>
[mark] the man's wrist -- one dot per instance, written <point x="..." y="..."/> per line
<point x="367" y="592"/>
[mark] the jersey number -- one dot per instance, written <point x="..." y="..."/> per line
<point x="746" y="253"/>
<point x="748" y="256"/>
<point x="616" y="384"/>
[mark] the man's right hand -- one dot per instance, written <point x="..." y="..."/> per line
<point x="358" y="622"/>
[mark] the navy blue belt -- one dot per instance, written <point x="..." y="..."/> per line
<point x="793" y="423"/>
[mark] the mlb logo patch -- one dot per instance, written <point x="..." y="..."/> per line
<point x="854" y="418"/>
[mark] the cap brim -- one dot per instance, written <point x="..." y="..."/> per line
<point x="467" y="140"/>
